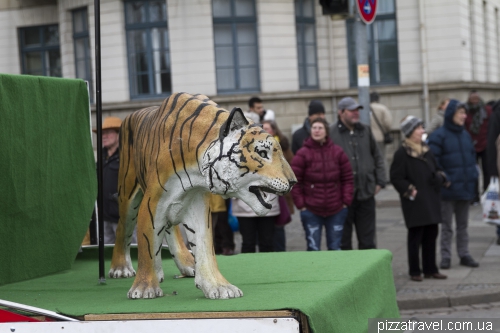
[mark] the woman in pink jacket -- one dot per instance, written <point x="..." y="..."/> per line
<point x="324" y="189"/>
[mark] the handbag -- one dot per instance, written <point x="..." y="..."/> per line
<point x="284" y="217"/>
<point x="387" y="136"/>
<point x="491" y="203"/>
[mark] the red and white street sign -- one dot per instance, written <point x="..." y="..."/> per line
<point x="367" y="10"/>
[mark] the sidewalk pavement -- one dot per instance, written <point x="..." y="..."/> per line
<point x="464" y="285"/>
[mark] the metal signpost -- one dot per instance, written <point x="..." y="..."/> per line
<point x="366" y="10"/>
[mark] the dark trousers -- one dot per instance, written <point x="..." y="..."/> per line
<point x="362" y="215"/>
<point x="486" y="176"/>
<point x="253" y="228"/>
<point x="425" y="238"/>
<point x="223" y="235"/>
<point x="279" y="238"/>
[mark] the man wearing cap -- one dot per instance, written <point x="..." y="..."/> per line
<point x="368" y="169"/>
<point x="455" y="154"/>
<point x="111" y="164"/>
<point x="316" y="110"/>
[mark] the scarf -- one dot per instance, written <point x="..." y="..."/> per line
<point x="414" y="149"/>
<point x="478" y="116"/>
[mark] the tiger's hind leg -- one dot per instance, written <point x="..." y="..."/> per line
<point x="182" y="257"/>
<point x="129" y="198"/>
<point x="121" y="264"/>
<point x="151" y="221"/>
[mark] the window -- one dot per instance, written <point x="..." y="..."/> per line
<point x="305" y="25"/>
<point x="382" y="47"/>
<point x="236" y="53"/>
<point x="148" y="48"/>
<point x="40" y="53"/>
<point x="82" y="46"/>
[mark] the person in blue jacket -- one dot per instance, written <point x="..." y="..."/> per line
<point x="454" y="151"/>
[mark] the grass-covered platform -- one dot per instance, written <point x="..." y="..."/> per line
<point x="338" y="291"/>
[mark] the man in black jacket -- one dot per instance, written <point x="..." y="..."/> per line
<point x="111" y="164"/>
<point x="368" y="169"/>
<point x="316" y="110"/>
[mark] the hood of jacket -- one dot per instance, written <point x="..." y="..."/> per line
<point x="307" y="125"/>
<point x="448" y="116"/>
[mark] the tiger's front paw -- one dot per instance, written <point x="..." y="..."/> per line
<point x="144" y="290"/>
<point x="121" y="271"/>
<point x="219" y="291"/>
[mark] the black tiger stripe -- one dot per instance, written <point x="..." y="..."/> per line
<point x="191" y="244"/>
<point x="165" y="117"/>
<point x="194" y="116"/>
<point x="206" y="135"/>
<point x="159" y="232"/>
<point x="172" y="130"/>
<point x="149" y="247"/>
<point x="133" y="189"/>
<point x="151" y="214"/>
<point x="159" y="249"/>
<point x="188" y="228"/>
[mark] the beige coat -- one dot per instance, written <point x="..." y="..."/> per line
<point x="384" y="117"/>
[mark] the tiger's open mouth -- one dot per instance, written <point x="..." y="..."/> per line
<point x="261" y="194"/>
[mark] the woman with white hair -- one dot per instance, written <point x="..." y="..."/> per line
<point x="417" y="178"/>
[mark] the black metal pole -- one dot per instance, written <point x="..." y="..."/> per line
<point x="98" y="101"/>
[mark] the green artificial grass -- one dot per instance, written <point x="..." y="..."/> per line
<point x="47" y="174"/>
<point x="338" y="291"/>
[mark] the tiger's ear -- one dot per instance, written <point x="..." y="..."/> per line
<point x="234" y="122"/>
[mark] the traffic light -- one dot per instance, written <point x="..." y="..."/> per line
<point x="335" y="7"/>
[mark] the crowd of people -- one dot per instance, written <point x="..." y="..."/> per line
<point x="341" y="167"/>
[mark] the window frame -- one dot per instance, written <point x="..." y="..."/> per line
<point x="88" y="59"/>
<point x="353" y="75"/>
<point x="151" y="71"/>
<point x="233" y="21"/>
<point x="23" y="49"/>
<point x="300" y="21"/>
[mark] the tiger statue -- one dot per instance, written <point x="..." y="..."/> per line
<point x="171" y="158"/>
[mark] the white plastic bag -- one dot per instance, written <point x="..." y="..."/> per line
<point x="491" y="203"/>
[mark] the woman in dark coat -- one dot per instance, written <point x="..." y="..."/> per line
<point x="415" y="175"/>
<point x="324" y="188"/>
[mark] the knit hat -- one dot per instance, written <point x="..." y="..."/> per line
<point x="409" y="124"/>
<point x="316" y="107"/>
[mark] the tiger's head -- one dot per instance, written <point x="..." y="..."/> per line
<point x="247" y="163"/>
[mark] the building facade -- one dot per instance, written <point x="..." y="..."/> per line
<point x="284" y="51"/>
